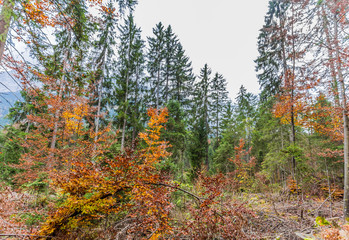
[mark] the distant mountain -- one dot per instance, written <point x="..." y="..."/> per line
<point x="8" y="83"/>
<point x="9" y="94"/>
<point x="7" y="100"/>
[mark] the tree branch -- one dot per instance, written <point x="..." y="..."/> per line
<point x="23" y="235"/>
<point x="180" y="189"/>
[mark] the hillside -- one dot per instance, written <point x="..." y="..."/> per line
<point x="126" y="135"/>
<point x="9" y="94"/>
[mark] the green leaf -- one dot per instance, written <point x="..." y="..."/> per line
<point x="321" y="221"/>
<point x="88" y="195"/>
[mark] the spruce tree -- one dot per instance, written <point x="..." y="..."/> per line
<point x="219" y="97"/>
<point x="176" y="135"/>
<point x="129" y="74"/>
<point x="245" y="115"/>
<point x="104" y="62"/>
<point x="199" y="150"/>
<point x="182" y="90"/>
<point x="271" y="62"/>
<point x="155" y="65"/>
<point x="168" y="70"/>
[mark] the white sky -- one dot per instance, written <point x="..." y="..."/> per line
<point x="221" y="33"/>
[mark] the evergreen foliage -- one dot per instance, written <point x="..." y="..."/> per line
<point x="270" y="64"/>
<point x="79" y="132"/>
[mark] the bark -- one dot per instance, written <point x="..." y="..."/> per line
<point x="292" y="78"/>
<point x="157" y="88"/>
<point x="206" y="126"/>
<point x="345" y="121"/>
<point x="126" y="98"/>
<point x="123" y="130"/>
<point x="331" y="58"/>
<point x="100" y="78"/>
<point x="166" y="89"/>
<point x="178" y="89"/>
<point x="134" y="131"/>
<point x="100" y="88"/>
<point x="56" y="117"/>
<point x="217" y="115"/>
<point x="58" y="110"/>
<point x="5" y="21"/>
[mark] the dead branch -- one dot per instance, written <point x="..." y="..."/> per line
<point x="317" y="210"/>
<point x="180" y="189"/>
<point x="23" y="235"/>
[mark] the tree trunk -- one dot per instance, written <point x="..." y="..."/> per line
<point x="331" y="58"/>
<point x="60" y="96"/>
<point x="5" y="21"/>
<point x="100" y="88"/>
<point x="345" y="121"/>
<point x="166" y="89"/>
<point x="99" y="78"/>
<point x="56" y="119"/>
<point x="125" y="117"/>
<point x="134" y="131"/>
<point x="346" y="151"/>
<point x="217" y="117"/>
<point x="293" y="129"/>
<point x="157" y="88"/>
<point x="126" y="98"/>
<point x="206" y="127"/>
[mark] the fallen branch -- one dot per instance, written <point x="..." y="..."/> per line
<point x="23" y="235"/>
<point x="304" y="236"/>
<point x="180" y="189"/>
<point x="317" y="210"/>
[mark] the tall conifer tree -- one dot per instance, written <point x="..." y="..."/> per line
<point x="271" y="62"/>
<point x="156" y="58"/>
<point x="129" y="73"/>
<point x="201" y="127"/>
<point x="219" y="97"/>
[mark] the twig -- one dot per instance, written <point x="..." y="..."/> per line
<point x="278" y="218"/>
<point x="180" y="189"/>
<point x="23" y="235"/>
<point x="274" y="207"/>
<point x="324" y="201"/>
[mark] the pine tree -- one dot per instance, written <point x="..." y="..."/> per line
<point x="182" y="89"/>
<point x="219" y="96"/>
<point x="104" y="60"/>
<point x="67" y="64"/>
<point x="201" y="128"/>
<point x="271" y="63"/>
<point x="227" y="116"/>
<point x="176" y="135"/>
<point x="245" y="114"/>
<point x="156" y="62"/>
<point x="169" y="68"/>
<point x="129" y="74"/>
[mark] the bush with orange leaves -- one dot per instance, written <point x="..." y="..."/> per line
<point x="124" y="187"/>
<point x="335" y="233"/>
<point x="214" y="216"/>
<point x="244" y="164"/>
<point x="126" y="196"/>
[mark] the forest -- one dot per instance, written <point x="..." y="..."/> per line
<point x="115" y="136"/>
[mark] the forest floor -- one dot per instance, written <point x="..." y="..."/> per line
<point x="290" y="216"/>
<point x="277" y="216"/>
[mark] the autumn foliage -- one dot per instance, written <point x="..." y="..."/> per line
<point x="123" y="186"/>
<point x="243" y="164"/>
<point x="215" y="216"/>
<point x="89" y="78"/>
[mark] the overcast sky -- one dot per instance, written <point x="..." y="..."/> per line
<point x="221" y="33"/>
